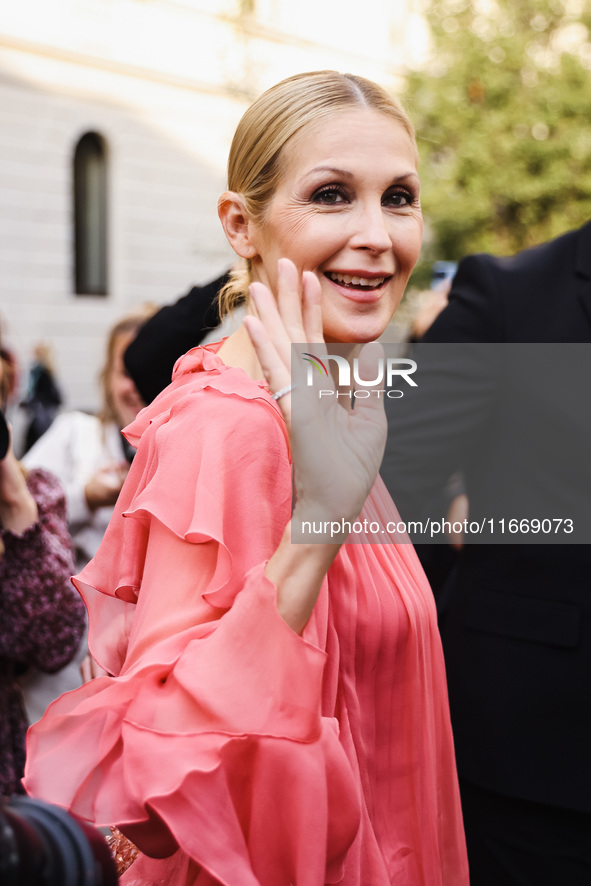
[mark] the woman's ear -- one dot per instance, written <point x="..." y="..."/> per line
<point x="237" y="224"/>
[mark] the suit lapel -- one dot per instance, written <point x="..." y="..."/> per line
<point x="583" y="268"/>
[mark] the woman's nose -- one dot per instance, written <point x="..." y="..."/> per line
<point x="372" y="230"/>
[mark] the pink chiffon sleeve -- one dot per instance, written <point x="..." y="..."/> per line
<point x="209" y="738"/>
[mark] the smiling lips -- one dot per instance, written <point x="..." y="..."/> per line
<point x="356" y="285"/>
<point x="359" y="282"/>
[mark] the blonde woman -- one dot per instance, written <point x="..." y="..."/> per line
<point x="277" y="712"/>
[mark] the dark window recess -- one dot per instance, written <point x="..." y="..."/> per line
<point x="90" y="215"/>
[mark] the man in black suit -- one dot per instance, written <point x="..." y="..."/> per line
<point x="515" y="619"/>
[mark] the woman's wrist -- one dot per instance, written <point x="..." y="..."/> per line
<point x="298" y="570"/>
<point x="89" y="497"/>
<point x="18" y="508"/>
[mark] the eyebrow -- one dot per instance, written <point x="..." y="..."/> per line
<point x="344" y="173"/>
<point x="334" y="169"/>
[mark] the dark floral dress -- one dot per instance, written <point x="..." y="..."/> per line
<point x="42" y="618"/>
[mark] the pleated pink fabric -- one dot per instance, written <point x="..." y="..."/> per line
<point x="229" y="749"/>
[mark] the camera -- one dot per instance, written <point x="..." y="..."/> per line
<point x="43" y="845"/>
<point x="4" y="436"/>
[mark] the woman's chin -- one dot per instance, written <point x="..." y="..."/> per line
<point x="358" y="333"/>
<point x="359" y="326"/>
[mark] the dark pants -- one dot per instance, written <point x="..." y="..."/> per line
<point x="515" y="842"/>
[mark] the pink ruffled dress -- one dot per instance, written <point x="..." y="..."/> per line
<point x="229" y="749"/>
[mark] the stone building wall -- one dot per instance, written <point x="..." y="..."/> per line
<point x="164" y="84"/>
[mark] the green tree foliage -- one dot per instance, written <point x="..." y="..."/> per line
<point x="503" y="119"/>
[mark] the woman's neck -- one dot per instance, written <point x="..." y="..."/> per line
<point x="238" y="351"/>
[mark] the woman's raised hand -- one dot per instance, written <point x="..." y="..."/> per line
<point x="336" y="451"/>
<point x="103" y="488"/>
<point x="18" y="509"/>
<point x="295" y="315"/>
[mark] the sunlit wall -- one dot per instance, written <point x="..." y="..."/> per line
<point x="162" y="83"/>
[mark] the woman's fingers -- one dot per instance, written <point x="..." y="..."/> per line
<point x="276" y="371"/>
<point x="294" y="316"/>
<point x="336" y="452"/>
<point x="289" y="299"/>
<point x="368" y="367"/>
<point x="267" y="312"/>
<point x="368" y="410"/>
<point x="311" y="309"/>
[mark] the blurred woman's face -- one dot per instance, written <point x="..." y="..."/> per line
<point x="124" y="394"/>
<point x="5" y="380"/>
<point x="347" y="208"/>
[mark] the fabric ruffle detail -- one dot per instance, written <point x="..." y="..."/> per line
<point x="199" y="492"/>
<point x="213" y="729"/>
<point x="198" y="369"/>
<point x="173" y="746"/>
<point x="220" y="727"/>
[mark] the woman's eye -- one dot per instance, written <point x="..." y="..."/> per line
<point x="329" y="196"/>
<point x="400" y="197"/>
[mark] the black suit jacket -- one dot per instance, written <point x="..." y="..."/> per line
<point x="169" y="334"/>
<point x="516" y="625"/>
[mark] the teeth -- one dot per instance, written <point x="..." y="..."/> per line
<point x="357" y="281"/>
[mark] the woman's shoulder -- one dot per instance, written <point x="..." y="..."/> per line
<point x="208" y="397"/>
<point x="73" y="439"/>
<point x="211" y="425"/>
<point x="66" y="426"/>
<point x="78" y="421"/>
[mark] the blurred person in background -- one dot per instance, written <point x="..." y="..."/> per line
<point x="88" y="452"/>
<point x="91" y="458"/>
<point x="43" y="397"/>
<point x="437" y="560"/>
<point x="428" y="304"/>
<point x="173" y="330"/>
<point x="42" y="619"/>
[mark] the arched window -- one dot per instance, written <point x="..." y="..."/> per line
<point x="90" y="215"/>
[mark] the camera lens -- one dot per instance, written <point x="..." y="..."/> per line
<point x="4" y="436"/>
<point x="42" y="845"/>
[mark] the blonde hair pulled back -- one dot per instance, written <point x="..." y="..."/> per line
<point x="254" y="163"/>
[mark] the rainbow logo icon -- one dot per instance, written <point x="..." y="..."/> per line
<point x="317" y="363"/>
